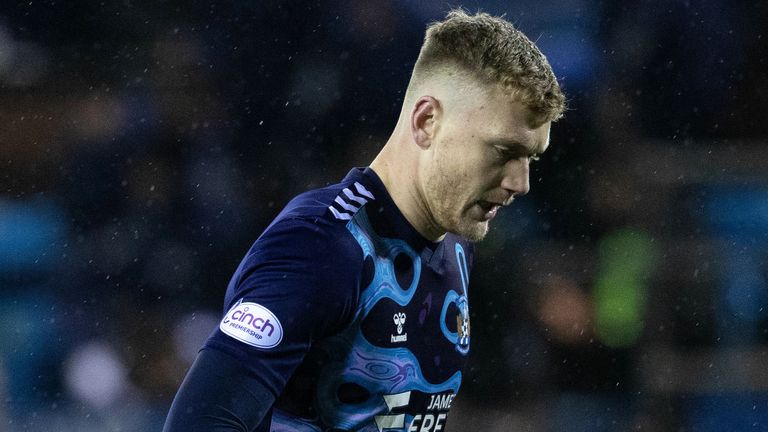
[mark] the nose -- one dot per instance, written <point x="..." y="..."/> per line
<point x="516" y="176"/>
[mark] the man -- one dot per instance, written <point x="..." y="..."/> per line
<point x="350" y="312"/>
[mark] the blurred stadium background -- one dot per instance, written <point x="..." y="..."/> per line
<point x="145" y="145"/>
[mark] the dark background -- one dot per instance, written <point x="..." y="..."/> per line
<point x="145" y="145"/>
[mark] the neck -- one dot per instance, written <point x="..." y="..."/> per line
<point x="398" y="171"/>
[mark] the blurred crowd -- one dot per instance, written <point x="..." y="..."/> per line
<point x="145" y="145"/>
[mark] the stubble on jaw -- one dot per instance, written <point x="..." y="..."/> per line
<point x="473" y="231"/>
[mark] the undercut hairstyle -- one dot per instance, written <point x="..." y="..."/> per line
<point x="491" y="50"/>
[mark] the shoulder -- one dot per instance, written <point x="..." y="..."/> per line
<point x="318" y="218"/>
<point x="303" y="267"/>
<point x="337" y="203"/>
<point x="320" y="214"/>
<point x="306" y="239"/>
<point x="310" y="236"/>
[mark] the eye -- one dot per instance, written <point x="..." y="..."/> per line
<point x="507" y="154"/>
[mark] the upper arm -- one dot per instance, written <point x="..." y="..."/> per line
<point x="298" y="284"/>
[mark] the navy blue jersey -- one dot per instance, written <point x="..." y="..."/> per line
<point x="348" y="316"/>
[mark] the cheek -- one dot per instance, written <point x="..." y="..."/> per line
<point x="460" y="175"/>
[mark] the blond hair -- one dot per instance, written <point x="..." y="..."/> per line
<point x="491" y="50"/>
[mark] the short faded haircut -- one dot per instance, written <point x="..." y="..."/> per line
<point x="493" y="51"/>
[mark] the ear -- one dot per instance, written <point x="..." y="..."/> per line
<point x="424" y="118"/>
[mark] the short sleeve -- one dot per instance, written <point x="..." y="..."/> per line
<point x="298" y="284"/>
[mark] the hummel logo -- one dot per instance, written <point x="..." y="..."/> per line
<point x="399" y="319"/>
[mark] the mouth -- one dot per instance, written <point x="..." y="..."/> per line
<point x="488" y="209"/>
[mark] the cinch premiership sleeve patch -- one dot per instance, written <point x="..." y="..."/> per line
<point x="253" y="324"/>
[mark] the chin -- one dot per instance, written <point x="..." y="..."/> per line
<point x="473" y="231"/>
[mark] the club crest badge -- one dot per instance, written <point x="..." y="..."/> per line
<point x="462" y="325"/>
